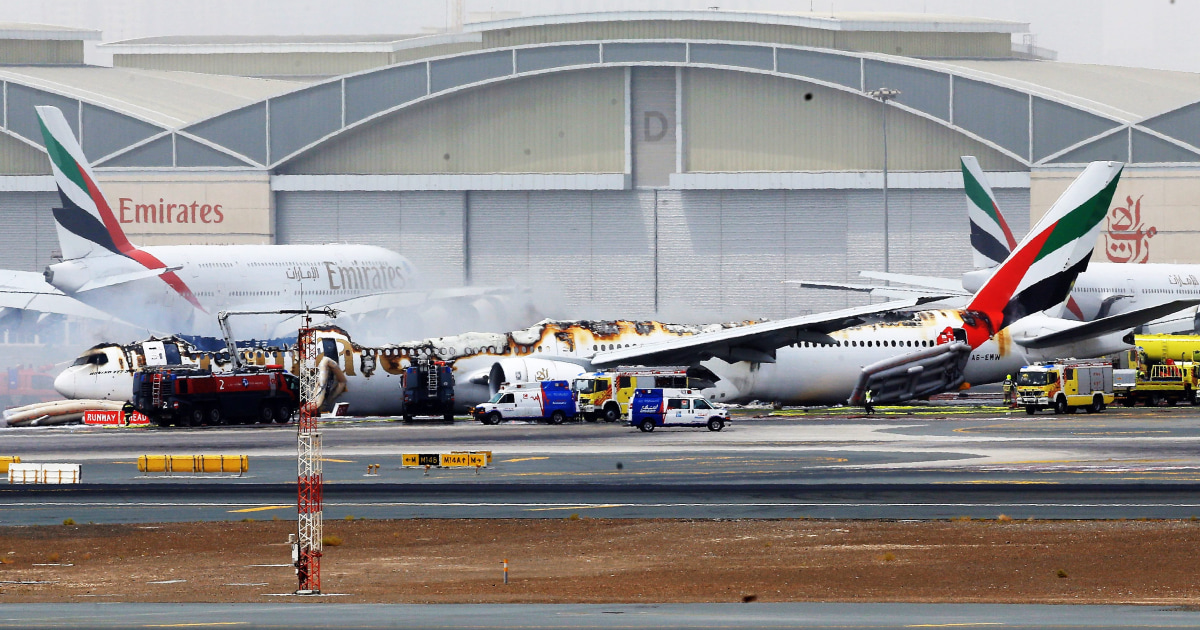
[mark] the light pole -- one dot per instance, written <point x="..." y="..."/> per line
<point x="884" y="95"/>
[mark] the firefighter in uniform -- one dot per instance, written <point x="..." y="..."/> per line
<point x="1009" y="399"/>
<point x="869" y="402"/>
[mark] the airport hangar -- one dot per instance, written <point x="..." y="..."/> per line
<point x="680" y="164"/>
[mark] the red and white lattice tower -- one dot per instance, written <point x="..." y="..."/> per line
<point x="308" y="460"/>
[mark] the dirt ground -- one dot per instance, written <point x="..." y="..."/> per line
<point x="604" y="561"/>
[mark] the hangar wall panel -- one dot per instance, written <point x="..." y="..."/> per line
<point x="1154" y="216"/>
<point x="30" y="236"/>
<point x="911" y="44"/>
<point x="569" y="122"/>
<point x="653" y="125"/>
<point x="587" y="254"/>
<point x="698" y="255"/>
<point x="41" y="51"/>
<point x="744" y="122"/>
<point x="18" y="158"/>
<point x="737" y="247"/>
<point x="259" y="65"/>
<point x="426" y="227"/>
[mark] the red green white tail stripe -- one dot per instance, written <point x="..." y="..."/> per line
<point x="1042" y="268"/>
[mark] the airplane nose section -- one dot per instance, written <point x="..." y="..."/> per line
<point x="64" y="383"/>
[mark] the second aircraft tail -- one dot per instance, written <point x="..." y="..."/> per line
<point x="991" y="239"/>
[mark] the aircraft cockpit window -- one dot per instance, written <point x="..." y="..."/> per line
<point x="329" y="348"/>
<point x="92" y="359"/>
<point x="172" y="352"/>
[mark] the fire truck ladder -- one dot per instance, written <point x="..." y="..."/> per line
<point x="433" y="378"/>
<point x="156" y="389"/>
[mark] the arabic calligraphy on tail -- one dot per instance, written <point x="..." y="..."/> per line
<point x="1126" y="239"/>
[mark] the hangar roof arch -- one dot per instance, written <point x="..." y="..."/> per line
<point x="1028" y="121"/>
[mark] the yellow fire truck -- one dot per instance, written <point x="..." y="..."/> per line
<point x="1065" y="386"/>
<point x="607" y="394"/>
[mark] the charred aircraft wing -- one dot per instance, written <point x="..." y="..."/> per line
<point x="914" y="375"/>
<point x="1105" y="325"/>
<point x="952" y="285"/>
<point x="29" y="291"/>
<point x="957" y="297"/>
<point x="756" y="342"/>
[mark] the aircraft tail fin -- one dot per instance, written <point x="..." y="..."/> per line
<point x="1042" y="268"/>
<point x="85" y="222"/>
<point x="991" y="239"/>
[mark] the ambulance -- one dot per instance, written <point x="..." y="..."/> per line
<point x="551" y="401"/>
<point x="658" y="407"/>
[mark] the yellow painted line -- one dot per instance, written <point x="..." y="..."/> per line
<point x="192" y="625"/>
<point x="261" y="509"/>
<point x="577" y="507"/>
<point x="1000" y="482"/>
<point x="338" y="461"/>
<point x="955" y="625"/>
<point x="522" y="459"/>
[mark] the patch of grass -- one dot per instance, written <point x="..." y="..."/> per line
<point x="68" y="521"/>
<point x="247" y="520"/>
<point x="573" y="517"/>
<point x="6" y="560"/>
<point x="1062" y="574"/>
<point x="331" y="541"/>
<point x="961" y="518"/>
<point x="53" y="558"/>
<point x="1004" y="518"/>
<point x="349" y="517"/>
<point x="889" y="557"/>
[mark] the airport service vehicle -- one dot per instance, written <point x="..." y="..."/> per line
<point x="428" y="387"/>
<point x="669" y="407"/>
<point x="173" y="395"/>
<point x="1124" y="382"/>
<point x="551" y="401"/>
<point x="606" y="394"/>
<point x="1160" y="348"/>
<point x="1065" y="386"/>
<point x="1168" y="383"/>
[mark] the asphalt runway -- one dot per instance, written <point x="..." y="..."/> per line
<point x="910" y="463"/>
<point x="757" y="615"/>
